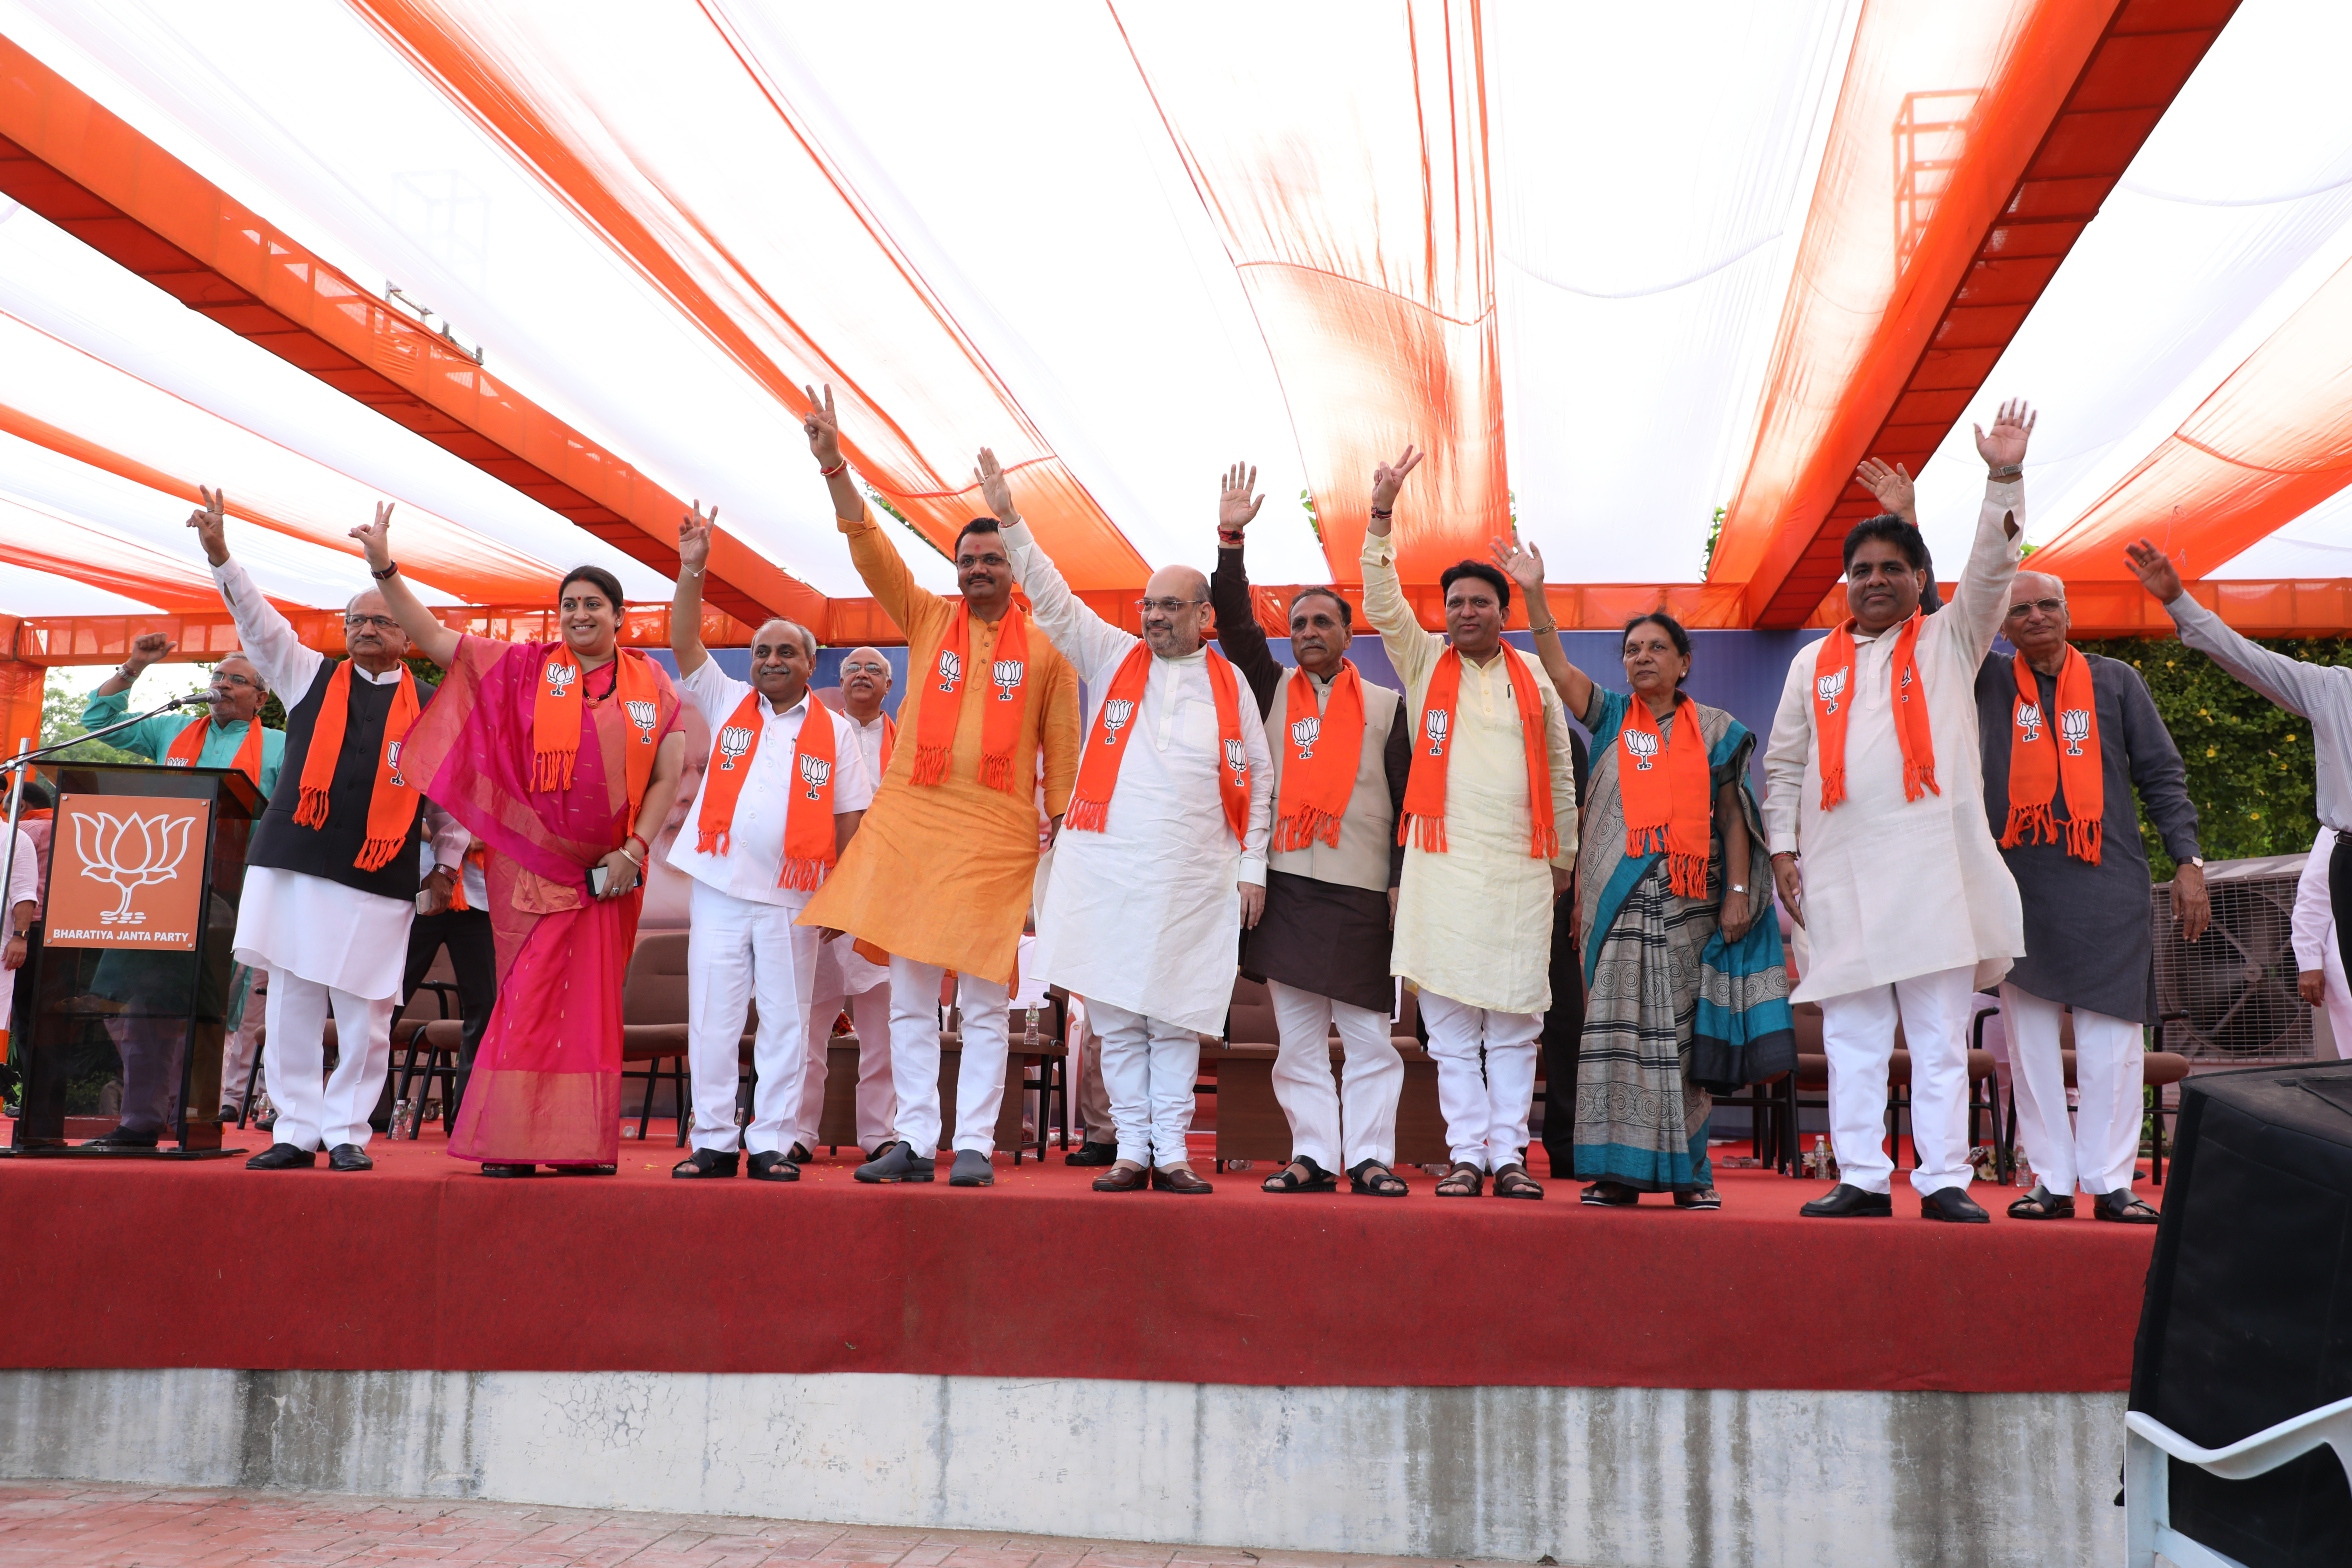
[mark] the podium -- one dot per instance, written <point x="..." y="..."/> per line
<point x="129" y="976"/>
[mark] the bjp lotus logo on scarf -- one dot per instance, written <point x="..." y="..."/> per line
<point x="1831" y="689"/>
<point x="642" y="714"/>
<point x="2029" y="721"/>
<point x="1115" y="715"/>
<point x="1303" y="735"/>
<point x="951" y="670"/>
<point x="128" y="852"/>
<point x="814" y="771"/>
<point x="392" y="764"/>
<point x="1641" y="745"/>
<point x="561" y="676"/>
<point x="2075" y="725"/>
<point x="1903" y="692"/>
<point x="1237" y="760"/>
<point x="1007" y="675"/>
<point x="734" y="741"/>
<point x="1434" y="724"/>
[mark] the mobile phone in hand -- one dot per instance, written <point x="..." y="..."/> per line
<point x="597" y="877"/>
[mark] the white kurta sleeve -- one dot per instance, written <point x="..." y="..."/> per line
<point x="1785" y="754"/>
<point x="24" y="878"/>
<point x="1088" y="641"/>
<point x="266" y="636"/>
<point x="1561" y="758"/>
<point x="853" y="781"/>
<point x="2314" y="912"/>
<point x="449" y="838"/>
<point x="1261" y="808"/>
<point x="1410" y="649"/>
<point x="1981" y="600"/>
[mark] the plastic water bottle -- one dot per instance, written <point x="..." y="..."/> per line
<point x="403" y="1120"/>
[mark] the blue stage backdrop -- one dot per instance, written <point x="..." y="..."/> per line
<point x="1739" y="672"/>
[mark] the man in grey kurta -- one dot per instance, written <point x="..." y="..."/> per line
<point x="2088" y="943"/>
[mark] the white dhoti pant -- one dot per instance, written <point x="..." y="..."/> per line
<point x="869" y="1009"/>
<point x="738" y="951"/>
<point x="1150" y="1069"/>
<point x="914" y="1057"/>
<point x="1360" y="1115"/>
<point x="1485" y="1113"/>
<point x="1858" y="1036"/>
<point x="244" y="1042"/>
<point x="2100" y="1151"/>
<point x="314" y="1109"/>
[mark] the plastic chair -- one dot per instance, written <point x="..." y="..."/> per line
<point x="2149" y="1444"/>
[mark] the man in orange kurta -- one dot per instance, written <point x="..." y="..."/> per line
<point x="940" y="874"/>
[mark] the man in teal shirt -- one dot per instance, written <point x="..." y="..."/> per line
<point x="232" y="737"/>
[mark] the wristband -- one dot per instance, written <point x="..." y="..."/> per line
<point x="1550" y="626"/>
<point x="1377" y="512"/>
<point x="391" y="570"/>
<point x="827" y="473"/>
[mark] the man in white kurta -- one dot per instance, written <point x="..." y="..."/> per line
<point x="843" y="978"/>
<point x="1907" y="904"/>
<point x="1474" y="923"/>
<point x="742" y="944"/>
<point x="1144" y="918"/>
<point x="2319" y="962"/>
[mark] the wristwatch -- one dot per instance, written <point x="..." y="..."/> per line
<point x="1735" y="888"/>
<point x="2198" y="861"/>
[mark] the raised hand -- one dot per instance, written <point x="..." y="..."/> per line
<point x="994" y="489"/>
<point x="148" y="648"/>
<point x="1389" y="478"/>
<point x="822" y="427"/>
<point x="1892" y="486"/>
<point x="211" y="524"/>
<point x="1235" y="505"/>
<point x="1523" y="564"/>
<point x="2011" y="427"/>
<point x="2155" y="570"/>
<point x="376" y="538"/>
<point x="694" y="538"/>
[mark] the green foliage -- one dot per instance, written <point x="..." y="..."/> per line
<point x="2249" y="761"/>
<point x="877" y="498"/>
<point x="1714" y="537"/>
<point x="61" y="720"/>
<point x="1314" y="521"/>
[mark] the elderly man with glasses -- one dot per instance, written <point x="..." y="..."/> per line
<point x="2066" y="737"/>
<point x="228" y="734"/>
<point x="331" y="871"/>
<point x="1161" y="863"/>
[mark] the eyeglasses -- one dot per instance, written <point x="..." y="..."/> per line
<point x="1166" y="606"/>
<point x="2018" y="612"/>
<point x="381" y="623"/>
<point x="234" y="680"/>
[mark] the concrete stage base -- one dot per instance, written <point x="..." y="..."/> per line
<point x="1630" y="1478"/>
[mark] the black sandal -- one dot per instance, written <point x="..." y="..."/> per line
<point x="1699" y="1198"/>
<point x="508" y="1168"/>
<point x="2133" y="1210"/>
<point x="1287" y="1179"/>
<point x="2042" y="1204"/>
<point x="1512" y="1181"/>
<point x="1609" y="1195"/>
<point x="1372" y="1179"/>
<point x="1465" y="1180"/>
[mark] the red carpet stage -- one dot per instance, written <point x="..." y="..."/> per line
<point x="424" y="1264"/>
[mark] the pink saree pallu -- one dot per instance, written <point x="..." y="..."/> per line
<point x="546" y="1085"/>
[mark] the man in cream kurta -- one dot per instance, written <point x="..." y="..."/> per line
<point x="1142" y="918"/>
<point x="1907" y="904"/>
<point x="1474" y="924"/>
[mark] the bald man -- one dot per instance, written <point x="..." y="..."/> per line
<point x="1161" y="862"/>
<point x="845" y="978"/>
<point x="2066" y="737"/>
<point x="774" y="749"/>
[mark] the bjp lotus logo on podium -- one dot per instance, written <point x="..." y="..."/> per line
<point x="127" y="871"/>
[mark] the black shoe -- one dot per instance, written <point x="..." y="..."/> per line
<point x="801" y="1154"/>
<point x="972" y="1169"/>
<point x="1954" y="1206"/>
<point x="349" y="1157"/>
<point x="508" y="1168"/>
<point x="900" y="1164"/>
<point x="124" y="1138"/>
<point x="773" y="1166"/>
<point x="1093" y="1154"/>
<point x="1850" y="1203"/>
<point x="283" y="1157"/>
<point x="706" y="1162"/>
<point x="585" y="1170"/>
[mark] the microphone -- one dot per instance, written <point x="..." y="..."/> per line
<point x="194" y="699"/>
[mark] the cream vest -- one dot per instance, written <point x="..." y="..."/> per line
<point x="1368" y="831"/>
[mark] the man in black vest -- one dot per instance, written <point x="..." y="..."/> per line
<point x="331" y="879"/>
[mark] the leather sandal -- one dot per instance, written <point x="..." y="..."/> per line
<point x="1465" y="1180"/>
<point x="2132" y="1210"/>
<point x="1699" y="1198"/>
<point x="2042" y="1204"/>
<point x="1288" y="1179"/>
<point x="1609" y="1195"/>
<point x="1512" y="1181"/>
<point x="1372" y="1179"/>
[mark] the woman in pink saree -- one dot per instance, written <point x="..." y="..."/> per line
<point x="550" y="754"/>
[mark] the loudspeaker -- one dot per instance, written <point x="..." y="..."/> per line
<point x="2247" y="1320"/>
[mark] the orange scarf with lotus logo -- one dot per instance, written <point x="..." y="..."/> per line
<point x="809" y="845"/>
<point x="1321" y="752"/>
<point x="943" y="700"/>
<point x="2037" y="761"/>
<point x="1662" y="784"/>
<point x="559" y="716"/>
<point x="393" y="803"/>
<point x="1114" y="723"/>
<point x="1423" y="819"/>
<point x="187" y="748"/>
<point x="1833" y="702"/>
